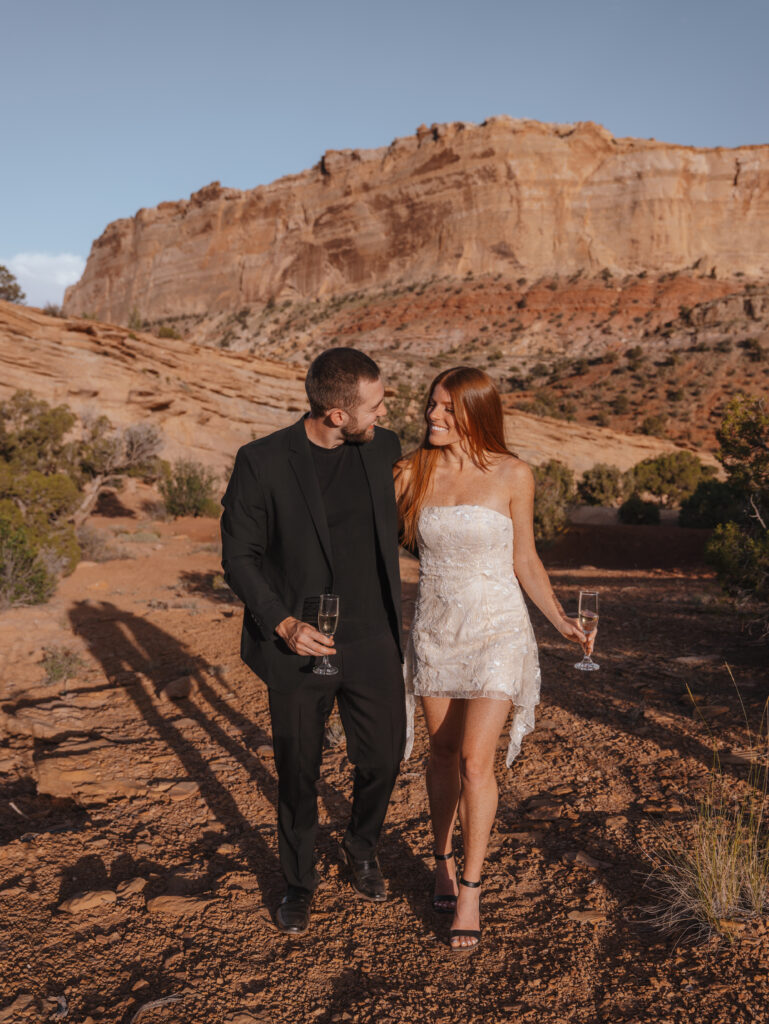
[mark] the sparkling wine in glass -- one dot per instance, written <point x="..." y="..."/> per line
<point x="328" y="619"/>
<point x="588" y="621"/>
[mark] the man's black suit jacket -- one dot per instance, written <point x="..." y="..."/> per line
<point x="276" y="551"/>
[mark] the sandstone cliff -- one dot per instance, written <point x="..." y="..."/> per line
<point x="513" y="197"/>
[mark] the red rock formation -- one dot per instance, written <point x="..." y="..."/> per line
<point x="509" y="196"/>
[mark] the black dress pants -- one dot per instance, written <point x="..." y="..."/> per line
<point x="369" y="692"/>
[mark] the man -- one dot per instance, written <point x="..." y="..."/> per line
<point x="309" y="510"/>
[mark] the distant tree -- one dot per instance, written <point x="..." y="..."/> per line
<point x="671" y="477"/>
<point x="601" y="485"/>
<point x="10" y="289"/>
<point x="739" y="548"/>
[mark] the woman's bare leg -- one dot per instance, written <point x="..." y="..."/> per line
<point x="484" y="720"/>
<point x="444" y="718"/>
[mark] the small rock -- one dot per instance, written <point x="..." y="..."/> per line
<point x="580" y="857"/>
<point x="587" y="916"/>
<point x="242" y="1017"/>
<point x="177" y="906"/>
<point x="179" y="688"/>
<point x="131" y="886"/>
<point x="265" y="750"/>
<point x="88" y="901"/>
<point x="548" y="813"/>
<point x="616" y="821"/>
<point x="183" y="791"/>
<point x="57" y="1006"/>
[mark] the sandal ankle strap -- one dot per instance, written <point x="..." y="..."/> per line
<point x="443" y="856"/>
<point x="470" y="885"/>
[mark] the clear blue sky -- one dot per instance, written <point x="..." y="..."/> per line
<point x="110" y="106"/>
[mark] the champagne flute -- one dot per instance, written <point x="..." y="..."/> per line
<point x="588" y="621"/>
<point x="328" y="619"/>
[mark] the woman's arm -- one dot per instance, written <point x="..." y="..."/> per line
<point x="528" y="566"/>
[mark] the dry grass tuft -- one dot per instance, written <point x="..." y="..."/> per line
<point x="713" y="876"/>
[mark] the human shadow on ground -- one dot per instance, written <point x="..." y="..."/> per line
<point x="131" y="651"/>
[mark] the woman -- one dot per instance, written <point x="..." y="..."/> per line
<point x="466" y="503"/>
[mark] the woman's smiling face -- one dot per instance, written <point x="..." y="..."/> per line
<point x="440" y="418"/>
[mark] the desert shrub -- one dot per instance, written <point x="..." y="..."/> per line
<point x="97" y="545"/>
<point x="27" y="574"/>
<point x="714" y="870"/>
<point x="553" y="499"/>
<point x="164" y="331"/>
<point x="654" y="426"/>
<point x="637" y="512"/>
<point x="52" y="469"/>
<point x="741" y="559"/>
<point x="60" y="664"/>
<point x="712" y="502"/>
<point x="671" y="477"/>
<point x="739" y="548"/>
<point x="601" y="485"/>
<point x="621" y="405"/>
<point x="33" y="434"/>
<point x="10" y="289"/>
<point x="188" y="490"/>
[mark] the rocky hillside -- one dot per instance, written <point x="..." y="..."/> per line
<point x="207" y="402"/>
<point x="510" y="197"/>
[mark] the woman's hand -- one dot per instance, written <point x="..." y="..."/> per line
<point x="571" y="629"/>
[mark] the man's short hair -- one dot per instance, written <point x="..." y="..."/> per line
<point x="334" y="377"/>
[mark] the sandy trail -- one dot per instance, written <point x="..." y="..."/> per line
<point x="138" y="862"/>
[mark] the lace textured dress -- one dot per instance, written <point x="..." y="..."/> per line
<point x="471" y="635"/>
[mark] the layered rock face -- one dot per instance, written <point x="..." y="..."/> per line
<point x="512" y="197"/>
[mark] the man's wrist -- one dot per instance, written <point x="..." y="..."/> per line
<point x="283" y="629"/>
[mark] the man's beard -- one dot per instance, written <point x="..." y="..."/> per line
<point x="354" y="435"/>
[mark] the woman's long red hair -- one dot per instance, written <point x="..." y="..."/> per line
<point x="481" y="427"/>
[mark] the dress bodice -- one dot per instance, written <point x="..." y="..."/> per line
<point x="470" y="539"/>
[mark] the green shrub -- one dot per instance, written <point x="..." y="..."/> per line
<point x="671" y="477"/>
<point x="553" y="499"/>
<point x="654" y="426"/>
<point x="621" y="405"/>
<point x="164" y="331"/>
<point x="739" y="549"/>
<point x="10" y="289"/>
<point x="713" y="502"/>
<point x="601" y="485"/>
<point x="741" y="560"/>
<point x="27" y="576"/>
<point x="637" y="512"/>
<point x="188" y="489"/>
<point x="32" y="434"/>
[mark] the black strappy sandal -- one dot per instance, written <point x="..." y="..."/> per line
<point x="444" y="904"/>
<point x="472" y="933"/>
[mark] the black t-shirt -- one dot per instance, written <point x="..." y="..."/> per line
<point x="360" y="577"/>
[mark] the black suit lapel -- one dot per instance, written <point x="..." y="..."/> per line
<point x="300" y="461"/>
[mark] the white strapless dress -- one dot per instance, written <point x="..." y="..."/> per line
<point x="471" y="635"/>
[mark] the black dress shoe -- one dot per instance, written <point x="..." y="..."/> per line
<point x="293" y="914"/>
<point x="367" y="879"/>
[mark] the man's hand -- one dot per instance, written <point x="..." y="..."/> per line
<point x="301" y="638"/>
